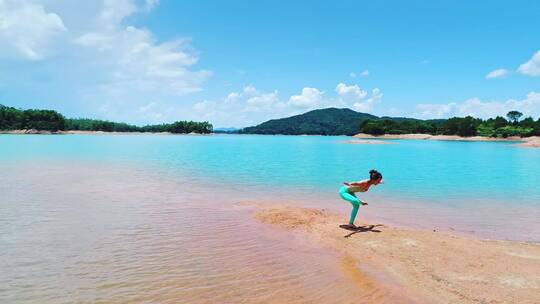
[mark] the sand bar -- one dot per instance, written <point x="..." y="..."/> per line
<point x="422" y="266"/>
<point x="437" y="137"/>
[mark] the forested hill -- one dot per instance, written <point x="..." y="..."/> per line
<point x="330" y="121"/>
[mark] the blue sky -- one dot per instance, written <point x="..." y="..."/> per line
<point x="238" y="63"/>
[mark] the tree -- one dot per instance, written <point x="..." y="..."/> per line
<point x="527" y="122"/>
<point x="514" y="116"/>
<point x="467" y="126"/>
<point x="499" y="122"/>
<point x="451" y="126"/>
<point x="372" y="127"/>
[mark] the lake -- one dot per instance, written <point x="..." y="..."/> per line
<point x="158" y="218"/>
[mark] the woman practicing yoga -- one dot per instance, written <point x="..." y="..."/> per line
<point x="347" y="192"/>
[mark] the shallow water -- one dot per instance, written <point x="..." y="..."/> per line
<point x="122" y="219"/>
<point x="93" y="233"/>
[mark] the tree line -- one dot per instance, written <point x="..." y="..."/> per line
<point x="462" y="126"/>
<point x="49" y="120"/>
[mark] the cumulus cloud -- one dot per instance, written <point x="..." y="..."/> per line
<point x="530" y="106"/>
<point x="310" y="97"/>
<point x="261" y="101"/>
<point x="369" y="104"/>
<point x="498" y="73"/>
<point x="27" y="29"/>
<point x="247" y="107"/>
<point x="138" y="61"/>
<point x="364" y="73"/>
<point x="350" y="93"/>
<point x="114" y="11"/>
<point x="531" y="67"/>
<point x="251" y="106"/>
<point x="150" y="4"/>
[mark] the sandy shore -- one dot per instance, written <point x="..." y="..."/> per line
<point x="532" y="142"/>
<point x="369" y="142"/>
<point x="437" y="137"/>
<point x="420" y="266"/>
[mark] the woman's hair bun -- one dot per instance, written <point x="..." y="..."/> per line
<point x="374" y="174"/>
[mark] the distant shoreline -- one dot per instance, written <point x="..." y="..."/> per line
<point x="438" y="137"/>
<point x="78" y="132"/>
<point x="533" y="141"/>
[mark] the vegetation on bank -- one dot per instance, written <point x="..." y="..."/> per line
<point x="48" y="120"/>
<point x="462" y="126"/>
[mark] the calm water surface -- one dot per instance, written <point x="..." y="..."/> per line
<point x="122" y="219"/>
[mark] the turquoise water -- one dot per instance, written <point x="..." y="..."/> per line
<point x="435" y="172"/>
<point x="166" y="219"/>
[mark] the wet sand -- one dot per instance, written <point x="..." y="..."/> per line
<point x="420" y="266"/>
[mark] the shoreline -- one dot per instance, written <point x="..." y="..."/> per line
<point x="78" y="132"/>
<point x="360" y="138"/>
<point x="422" y="265"/>
<point x="532" y="141"/>
<point x="440" y="137"/>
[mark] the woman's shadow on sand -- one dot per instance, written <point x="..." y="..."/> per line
<point x="368" y="228"/>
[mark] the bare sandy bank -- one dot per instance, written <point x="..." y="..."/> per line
<point x="437" y="137"/>
<point x="422" y="266"/>
<point x="369" y="142"/>
<point x="532" y="142"/>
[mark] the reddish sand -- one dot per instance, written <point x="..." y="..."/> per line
<point x="421" y="266"/>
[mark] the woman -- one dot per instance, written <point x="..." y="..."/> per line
<point x="348" y="191"/>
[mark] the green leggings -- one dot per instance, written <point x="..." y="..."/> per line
<point x="351" y="198"/>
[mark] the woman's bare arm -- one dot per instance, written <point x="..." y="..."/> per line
<point x="360" y="183"/>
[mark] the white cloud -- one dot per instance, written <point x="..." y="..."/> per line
<point x="498" y="73"/>
<point x="531" y="67"/>
<point x="136" y="61"/>
<point x="364" y="73"/>
<point x="204" y="106"/>
<point x="530" y="106"/>
<point x="370" y="103"/>
<point x="435" y="110"/>
<point x="251" y="106"/>
<point x="27" y="30"/>
<point x="249" y="90"/>
<point x="310" y="97"/>
<point x="232" y="97"/>
<point x="114" y="11"/>
<point x="262" y="100"/>
<point x="150" y="4"/>
<point x="248" y="107"/>
<point x="153" y="112"/>
<point x="350" y="93"/>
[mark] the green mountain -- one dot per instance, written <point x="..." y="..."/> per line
<point x="330" y="121"/>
